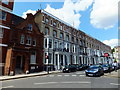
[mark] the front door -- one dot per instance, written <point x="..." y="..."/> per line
<point x="19" y="65"/>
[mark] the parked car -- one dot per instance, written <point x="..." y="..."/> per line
<point x="82" y="67"/>
<point x="118" y="65"/>
<point x="70" y="68"/>
<point x="85" y="66"/>
<point x="107" y="68"/>
<point x="94" y="70"/>
<point x="112" y="67"/>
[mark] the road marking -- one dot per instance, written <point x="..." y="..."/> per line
<point x="81" y="75"/>
<point x="74" y="75"/>
<point x="46" y="83"/>
<point x="114" y="84"/>
<point x="8" y="87"/>
<point x="72" y="82"/>
<point x="87" y="77"/>
<point x="77" y="82"/>
<point x="66" y="75"/>
<point x="51" y="75"/>
<point x="59" y="75"/>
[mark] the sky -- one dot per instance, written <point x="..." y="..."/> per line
<point x="97" y="18"/>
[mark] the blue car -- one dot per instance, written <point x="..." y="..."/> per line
<point x="95" y="70"/>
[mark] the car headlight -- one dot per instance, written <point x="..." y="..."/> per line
<point x="95" y="70"/>
<point x="67" y="69"/>
<point x="105" y="68"/>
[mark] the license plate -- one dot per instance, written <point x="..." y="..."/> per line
<point x="90" y="74"/>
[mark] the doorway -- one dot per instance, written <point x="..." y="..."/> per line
<point x="19" y="65"/>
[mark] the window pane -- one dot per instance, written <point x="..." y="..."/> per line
<point x="28" y="40"/>
<point x="29" y="27"/>
<point x="54" y="33"/>
<point x="61" y="35"/>
<point x="50" y="43"/>
<point x="47" y="20"/>
<point x="67" y="37"/>
<point x="45" y="42"/>
<point x="50" y="56"/>
<point x="34" y="42"/>
<point x="46" y="31"/>
<point x="3" y="15"/>
<point x="22" y="39"/>
<point x="33" y="58"/>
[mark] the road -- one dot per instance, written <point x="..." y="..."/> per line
<point x="63" y="80"/>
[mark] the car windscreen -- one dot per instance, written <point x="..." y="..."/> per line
<point x="67" y="66"/>
<point x="93" y="67"/>
<point x="104" y="65"/>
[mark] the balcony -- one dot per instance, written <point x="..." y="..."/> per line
<point x="60" y="49"/>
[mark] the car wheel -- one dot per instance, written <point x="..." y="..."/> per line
<point x="99" y="75"/>
<point x="68" y="71"/>
<point x="87" y="75"/>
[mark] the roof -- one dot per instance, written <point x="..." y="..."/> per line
<point x="16" y="19"/>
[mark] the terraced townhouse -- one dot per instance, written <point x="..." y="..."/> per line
<point x="66" y="45"/>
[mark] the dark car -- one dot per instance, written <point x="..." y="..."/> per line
<point x="118" y="65"/>
<point x="85" y="66"/>
<point x="70" y="68"/>
<point x="112" y="67"/>
<point x="107" y="68"/>
<point x="82" y="67"/>
<point x="94" y="70"/>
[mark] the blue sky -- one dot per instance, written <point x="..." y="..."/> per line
<point x="82" y="17"/>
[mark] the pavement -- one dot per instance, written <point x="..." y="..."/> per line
<point x="113" y="74"/>
<point x="3" y="78"/>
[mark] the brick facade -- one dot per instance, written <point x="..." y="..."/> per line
<point x="5" y="31"/>
<point x="18" y="53"/>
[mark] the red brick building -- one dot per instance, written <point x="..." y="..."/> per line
<point x="6" y="8"/>
<point x="25" y="47"/>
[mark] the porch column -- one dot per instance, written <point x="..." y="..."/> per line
<point x="58" y="62"/>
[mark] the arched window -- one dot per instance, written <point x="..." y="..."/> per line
<point x="46" y="31"/>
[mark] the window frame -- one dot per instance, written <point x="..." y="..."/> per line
<point x="30" y="27"/>
<point x="46" y="31"/>
<point x="54" y="33"/>
<point x="22" y="39"/>
<point x="34" y="42"/>
<point x="3" y="15"/>
<point x="28" y="41"/>
<point x="61" y="37"/>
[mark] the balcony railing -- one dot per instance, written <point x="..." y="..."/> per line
<point x="60" y="49"/>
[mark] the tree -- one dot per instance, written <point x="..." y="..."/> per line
<point x="113" y="50"/>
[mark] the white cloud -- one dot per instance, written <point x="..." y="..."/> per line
<point x="28" y="11"/>
<point x="112" y="42"/>
<point x="70" y="11"/>
<point x="104" y="13"/>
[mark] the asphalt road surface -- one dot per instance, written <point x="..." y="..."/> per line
<point x="63" y="80"/>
